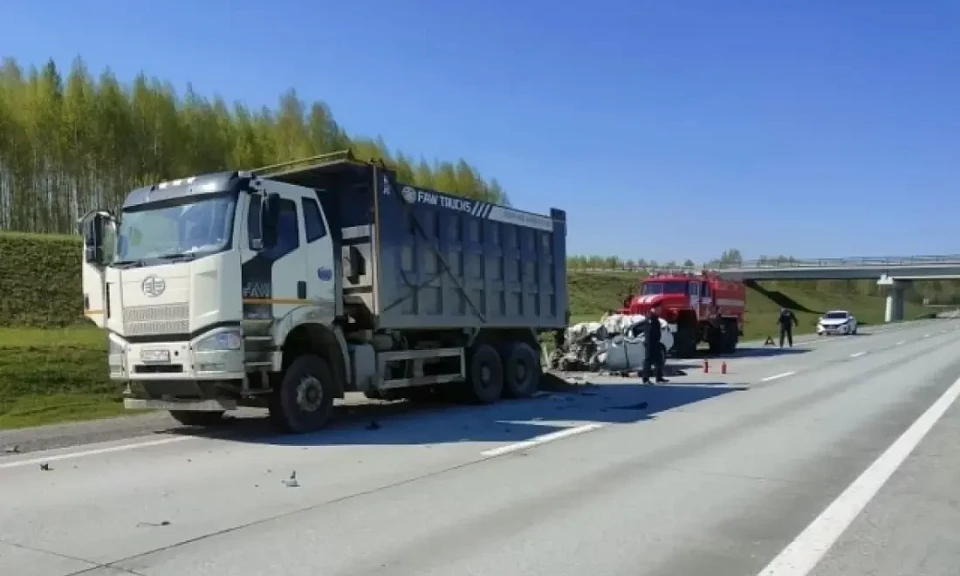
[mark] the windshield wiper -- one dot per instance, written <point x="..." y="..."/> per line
<point x="129" y="263"/>
<point x="178" y="256"/>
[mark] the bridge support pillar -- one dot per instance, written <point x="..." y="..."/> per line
<point x="895" y="289"/>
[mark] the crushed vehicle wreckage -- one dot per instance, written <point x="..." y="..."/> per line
<point x="614" y="344"/>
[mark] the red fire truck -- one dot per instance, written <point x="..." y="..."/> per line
<point x="702" y="307"/>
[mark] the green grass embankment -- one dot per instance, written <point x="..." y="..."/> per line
<point x="53" y="362"/>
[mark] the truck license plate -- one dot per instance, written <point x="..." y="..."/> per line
<point x="155" y="356"/>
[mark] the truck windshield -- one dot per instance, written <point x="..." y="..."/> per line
<point x="669" y="287"/>
<point x="187" y="227"/>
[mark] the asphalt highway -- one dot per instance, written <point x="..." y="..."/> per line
<point x="836" y="457"/>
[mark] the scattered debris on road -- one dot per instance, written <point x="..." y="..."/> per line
<point x="154" y="524"/>
<point x="45" y="467"/>
<point x="12" y="449"/>
<point x="292" y="481"/>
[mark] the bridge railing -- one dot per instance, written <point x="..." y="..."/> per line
<point x="851" y="262"/>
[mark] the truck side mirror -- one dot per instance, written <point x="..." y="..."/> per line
<point x="93" y="235"/>
<point x="270" y="221"/>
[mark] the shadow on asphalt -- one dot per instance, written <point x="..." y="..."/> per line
<point x="767" y="352"/>
<point x="410" y="423"/>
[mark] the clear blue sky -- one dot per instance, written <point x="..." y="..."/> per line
<point x="809" y="128"/>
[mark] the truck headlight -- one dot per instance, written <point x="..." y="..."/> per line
<point x="226" y="340"/>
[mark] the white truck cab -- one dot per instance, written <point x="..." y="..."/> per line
<point x="233" y="289"/>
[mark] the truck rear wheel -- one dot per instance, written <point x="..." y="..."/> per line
<point x="685" y="342"/>
<point x="731" y="336"/>
<point x="522" y="370"/>
<point x="485" y="375"/>
<point x="194" y="418"/>
<point x="303" y="400"/>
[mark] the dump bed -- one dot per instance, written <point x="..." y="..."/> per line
<point x="416" y="258"/>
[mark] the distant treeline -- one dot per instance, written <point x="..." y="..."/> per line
<point x="67" y="146"/>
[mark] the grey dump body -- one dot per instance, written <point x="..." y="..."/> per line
<point x="414" y="258"/>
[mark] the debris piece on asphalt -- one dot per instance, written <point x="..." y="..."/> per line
<point x="45" y="467"/>
<point x="154" y="524"/>
<point x="12" y="449"/>
<point x="292" y="481"/>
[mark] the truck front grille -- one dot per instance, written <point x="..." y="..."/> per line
<point x="161" y="319"/>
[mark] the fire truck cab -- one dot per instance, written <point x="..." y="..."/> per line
<point x="701" y="307"/>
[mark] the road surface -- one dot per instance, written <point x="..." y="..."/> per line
<point x="838" y="457"/>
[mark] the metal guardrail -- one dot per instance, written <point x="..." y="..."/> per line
<point x="854" y="262"/>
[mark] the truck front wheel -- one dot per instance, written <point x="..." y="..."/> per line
<point x="194" y="418"/>
<point x="303" y="400"/>
<point x="522" y="371"/>
<point x="485" y="375"/>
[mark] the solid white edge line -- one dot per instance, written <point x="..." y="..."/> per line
<point x="803" y="554"/>
<point x="777" y="376"/>
<point x="94" y="452"/>
<point x="858" y="354"/>
<point x="538" y="440"/>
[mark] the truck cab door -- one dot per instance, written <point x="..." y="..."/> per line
<point x="98" y="230"/>
<point x="273" y="275"/>
<point x="321" y="271"/>
<point x="693" y="291"/>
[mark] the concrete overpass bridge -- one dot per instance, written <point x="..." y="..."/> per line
<point x="893" y="272"/>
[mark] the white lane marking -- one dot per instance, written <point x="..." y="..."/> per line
<point x="803" y="554"/>
<point x="538" y="440"/>
<point x="858" y="354"/>
<point x="94" y="452"/>
<point x="926" y="335"/>
<point x="901" y="343"/>
<point x="777" y="376"/>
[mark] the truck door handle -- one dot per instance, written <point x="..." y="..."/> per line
<point x="302" y="290"/>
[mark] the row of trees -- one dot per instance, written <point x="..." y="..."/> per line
<point x="70" y="145"/>
<point x="931" y="291"/>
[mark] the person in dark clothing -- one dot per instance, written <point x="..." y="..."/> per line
<point x="787" y="321"/>
<point x="651" y="343"/>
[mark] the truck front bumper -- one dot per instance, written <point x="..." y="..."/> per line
<point x="218" y="405"/>
<point x="172" y="361"/>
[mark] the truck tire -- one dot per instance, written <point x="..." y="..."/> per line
<point x="303" y="400"/>
<point x="730" y="336"/>
<point x="715" y="340"/>
<point x="484" y="375"/>
<point x="522" y="371"/>
<point x="685" y="342"/>
<point x="194" y="418"/>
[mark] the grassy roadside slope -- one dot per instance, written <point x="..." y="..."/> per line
<point x="58" y="374"/>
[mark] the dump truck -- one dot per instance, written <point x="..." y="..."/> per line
<point x="287" y="286"/>
<point x="701" y="308"/>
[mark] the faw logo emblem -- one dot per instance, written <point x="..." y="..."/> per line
<point x="153" y="286"/>
<point x="409" y="194"/>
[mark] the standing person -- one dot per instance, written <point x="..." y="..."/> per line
<point x="787" y="321"/>
<point x="651" y="344"/>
